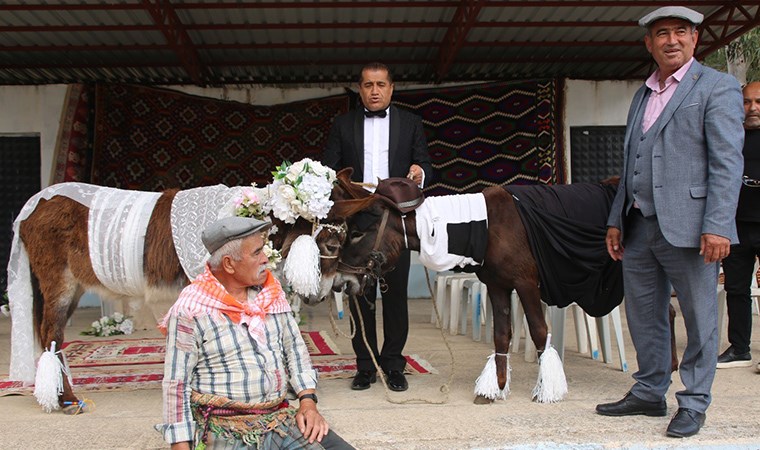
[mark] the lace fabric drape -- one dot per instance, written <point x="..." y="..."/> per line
<point x="23" y="348"/>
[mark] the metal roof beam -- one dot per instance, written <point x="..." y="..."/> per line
<point x="326" y="62"/>
<point x="89" y="6"/>
<point x="322" y="26"/>
<point x="461" y="24"/>
<point x="725" y="39"/>
<point x="314" y="45"/>
<point x="164" y="15"/>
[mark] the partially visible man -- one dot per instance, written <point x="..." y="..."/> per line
<point x="739" y="266"/>
<point x="379" y="141"/>
<point x="232" y="347"/>
<point x="674" y="214"/>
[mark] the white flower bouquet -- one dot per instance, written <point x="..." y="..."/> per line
<point x="117" y="323"/>
<point x="301" y="189"/>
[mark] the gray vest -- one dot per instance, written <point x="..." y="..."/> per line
<point x="639" y="171"/>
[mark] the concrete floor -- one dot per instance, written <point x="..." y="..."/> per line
<point x="430" y="419"/>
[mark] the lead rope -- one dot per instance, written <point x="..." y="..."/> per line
<point x="445" y="388"/>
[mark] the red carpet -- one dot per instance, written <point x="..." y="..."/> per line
<point x="126" y="364"/>
<point x="129" y="364"/>
<point x="332" y="367"/>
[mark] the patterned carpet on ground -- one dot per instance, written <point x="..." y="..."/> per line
<point x="129" y="364"/>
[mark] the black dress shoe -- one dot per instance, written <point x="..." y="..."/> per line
<point x="631" y="405"/>
<point x="396" y="380"/>
<point x="685" y="423"/>
<point x="363" y="379"/>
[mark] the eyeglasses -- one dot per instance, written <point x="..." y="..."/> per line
<point x="750" y="182"/>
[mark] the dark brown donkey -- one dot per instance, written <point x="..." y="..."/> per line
<point x="376" y="235"/>
<point x="55" y="237"/>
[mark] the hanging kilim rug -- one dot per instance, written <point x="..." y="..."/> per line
<point x="73" y="149"/>
<point x="153" y="139"/>
<point x="127" y="364"/>
<point x="490" y="134"/>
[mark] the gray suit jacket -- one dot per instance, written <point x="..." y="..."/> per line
<point x="697" y="158"/>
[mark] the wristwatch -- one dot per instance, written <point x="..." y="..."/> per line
<point x="309" y="396"/>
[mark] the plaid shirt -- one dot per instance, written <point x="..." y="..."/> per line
<point x="212" y="354"/>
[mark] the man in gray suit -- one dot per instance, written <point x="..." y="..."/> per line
<point x="674" y="215"/>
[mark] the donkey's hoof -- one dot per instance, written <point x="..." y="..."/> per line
<point x="480" y="400"/>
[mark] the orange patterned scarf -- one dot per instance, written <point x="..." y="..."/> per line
<point x="206" y="295"/>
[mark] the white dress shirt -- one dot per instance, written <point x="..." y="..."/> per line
<point x="376" y="139"/>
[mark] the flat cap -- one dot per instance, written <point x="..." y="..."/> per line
<point x="229" y="229"/>
<point x="678" y="12"/>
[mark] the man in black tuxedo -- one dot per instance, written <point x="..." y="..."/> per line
<point x="380" y="141"/>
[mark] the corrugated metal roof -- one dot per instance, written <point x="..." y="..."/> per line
<point x="280" y="42"/>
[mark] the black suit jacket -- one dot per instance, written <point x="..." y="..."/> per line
<point x="406" y="144"/>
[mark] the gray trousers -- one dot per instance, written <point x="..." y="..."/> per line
<point x="650" y="266"/>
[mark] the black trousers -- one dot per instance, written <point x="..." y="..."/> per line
<point x="395" y="321"/>
<point x="738" y="269"/>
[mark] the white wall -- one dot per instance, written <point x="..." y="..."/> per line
<point x="595" y="103"/>
<point x="261" y="95"/>
<point x="34" y="110"/>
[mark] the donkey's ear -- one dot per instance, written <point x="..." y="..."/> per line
<point x="343" y="209"/>
<point x="345" y="174"/>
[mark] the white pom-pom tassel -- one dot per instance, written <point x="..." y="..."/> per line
<point x="487" y="384"/>
<point x="302" y="266"/>
<point x="48" y="384"/>
<point x="551" y="385"/>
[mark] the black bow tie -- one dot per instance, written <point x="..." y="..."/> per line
<point x="381" y="113"/>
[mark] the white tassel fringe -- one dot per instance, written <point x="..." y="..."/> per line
<point x="487" y="384"/>
<point x="551" y="386"/>
<point x="302" y="266"/>
<point x="48" y="383"/>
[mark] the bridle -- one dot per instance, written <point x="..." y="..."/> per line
<point x="333" y="229"/>
<point x="376" y="258"/>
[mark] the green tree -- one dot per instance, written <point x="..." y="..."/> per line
<point x="750" y="43"/>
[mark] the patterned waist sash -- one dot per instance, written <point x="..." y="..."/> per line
<point x="229" y="419"/>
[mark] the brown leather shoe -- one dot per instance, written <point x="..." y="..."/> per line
<point x="631" y="405"/>
<point x="685" y="423"/>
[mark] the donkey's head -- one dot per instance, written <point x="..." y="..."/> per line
<point x="328" y="236"/>
<point x="379" y="227"/>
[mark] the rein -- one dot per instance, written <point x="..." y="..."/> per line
<point x="376" y="258"/>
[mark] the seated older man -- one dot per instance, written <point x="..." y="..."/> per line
<point x="232" y="348"/>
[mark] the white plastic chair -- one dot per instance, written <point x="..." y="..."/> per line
<point x="443" y="297"/>
<point x="453" y="304"/>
